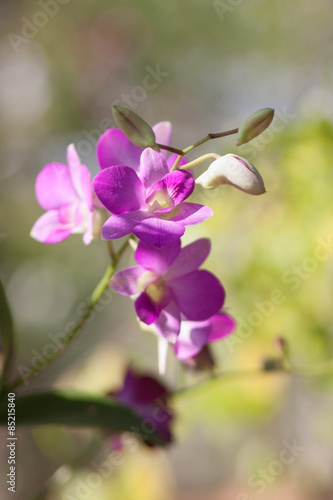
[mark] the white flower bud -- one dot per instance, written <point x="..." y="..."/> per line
<point x="234" y="170"/>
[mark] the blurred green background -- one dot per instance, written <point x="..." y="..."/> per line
<point x="62" y="66"/>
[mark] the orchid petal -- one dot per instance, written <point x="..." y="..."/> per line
<point x="80" y="176"/>
<point x="119" y="189"/>
<point x="156" y="259"/>
<point x="114" y="148"/>
<point x="189" y="258"/>
<point x="125" y="282"/>
<point x="168" y="323"/>
<point x="222" y="325"/>
<point x="163" y="135"/>
<point x="54" y="187"/>
<point x="146" y="309"/>
<point x="48" y="229"/>
<point x="199" y="294"/>
<point x="158" y="232"/>
<point x="118" y="226"/>
<point x="178" y="185"/>
<point x="192" y="337"/>
<point x="192" y="213"/>
<point x="152" y="167"/>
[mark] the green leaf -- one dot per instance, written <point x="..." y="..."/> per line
<point x="6" y="334"/>
<point x="78" y="409"/>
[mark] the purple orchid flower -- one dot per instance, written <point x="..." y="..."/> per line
<point x="148" y="398"/>
<point x="66" y="193"/>
<point x="194" y="335"/>
<point x="168" y="279"/>
<point x="114" y="148"/>
<point x="149" y="203"/>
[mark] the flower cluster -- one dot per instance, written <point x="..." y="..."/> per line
<point x="146" y="191"/>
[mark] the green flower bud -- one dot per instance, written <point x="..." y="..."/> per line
<point x="255" y="125"/>
<point x="233" y="170"/>
<point x="135" y="128"/>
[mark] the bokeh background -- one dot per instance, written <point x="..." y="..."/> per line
<point x="62" y="66"/>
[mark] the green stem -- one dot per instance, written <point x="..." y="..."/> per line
<point x="208" y="138"/>
<point x="170" y="149"/>
<point x="199" y="160"/>
<point x="95" y="297"/>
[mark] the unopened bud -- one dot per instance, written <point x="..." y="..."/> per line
<point x="135" y="128"/>
<point x="233" y="170"/>
<point x="255" y="125"/>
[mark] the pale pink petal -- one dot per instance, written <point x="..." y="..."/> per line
<point x="168" y="323"/>
<point x="192" y="337"/>
<point x="48" y="229"/>
<point x="163" y="135"/>
<point x="126" y="281"/>
<point x="152" y="167"/>
<point x="54" y="187"/>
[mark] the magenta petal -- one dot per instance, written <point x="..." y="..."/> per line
<point x="178" y="185"/>
<point x="221" y="326"/>
<point x="126" y="281"/>
<point x="48" y="229"/>
<point x="199" y="294"/>
<point x="54" y="187"/>
<point x="192" y="213"/>
<point x="119" y="189"/>
<point x="171" y="160"/>
<point x="146" y="309"/>
<point x="118" y="226"/>
<point x="113" y="148"/>
<point x="158" y="232"/>
<point x="152" y="167"/>
<point x="163" y="135"/>
<point x="192" y="337"/>
<point x="189" y="259"/>
<point x="168" y="323"/>
<point x="156" y="259"/>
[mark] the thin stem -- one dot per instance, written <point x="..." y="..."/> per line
<point x="95" y="297"/>
<point x="109" y="242"/>
<point x="208" y="138"/>
<point x="170" y="148"/>
<point x="200" y="160"/>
